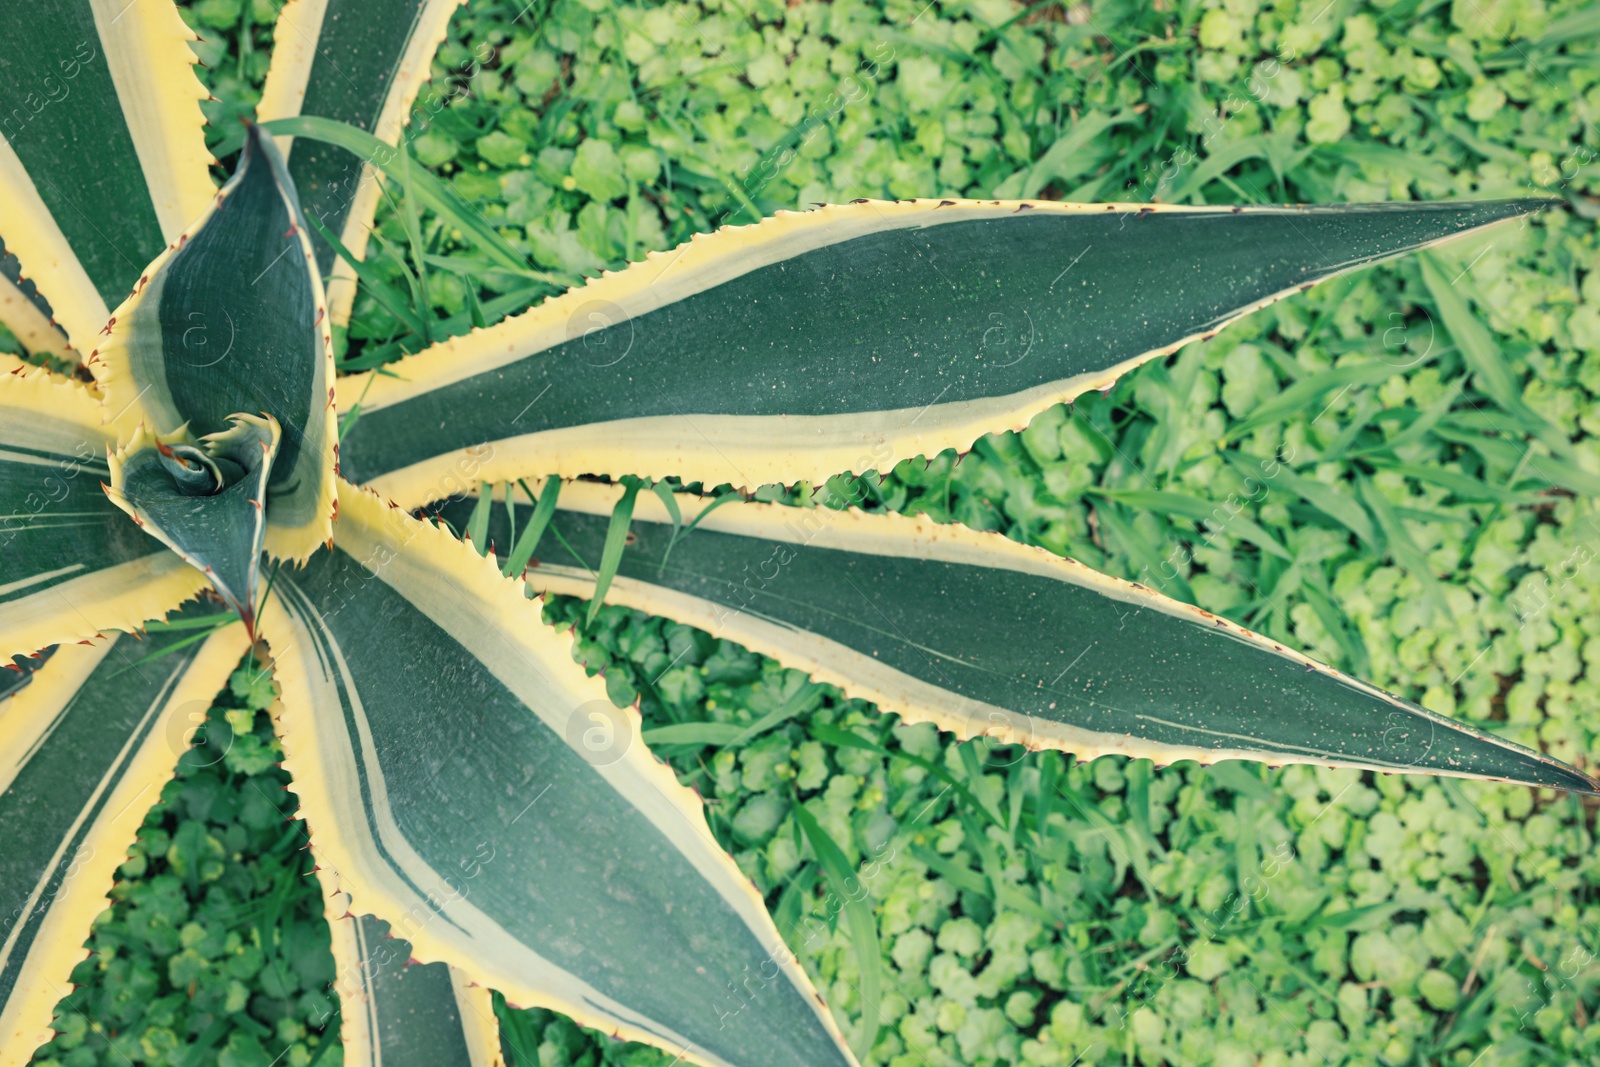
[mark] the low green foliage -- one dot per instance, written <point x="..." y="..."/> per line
<point x="1032" y="910"/>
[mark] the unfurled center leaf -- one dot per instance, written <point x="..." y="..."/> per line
<point x="207" y="501"/>
<point x="232" y="318"/>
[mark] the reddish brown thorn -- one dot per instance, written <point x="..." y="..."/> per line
<point x="291" y="231"/>
<point x="320" y="312"/>
<point x="14" y="667"/>
<point x="1025" y="207"/>
<point x="106" y="332"/>
<point x="257" y="503"/>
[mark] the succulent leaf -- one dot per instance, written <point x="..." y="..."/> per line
<point x="71" y="565"/>
<point x="206" y="503"/>
<point x="469" y="783"/>
<point x="850" y="337"/>
<point x="394" y="1009"/>
<point x="28" y="315"/>
<point x="95" y="183"/>
<point x="984" y="636"/>
<point x="232" y="319"/>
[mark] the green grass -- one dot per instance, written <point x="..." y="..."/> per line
<point x="1421" y="444"/>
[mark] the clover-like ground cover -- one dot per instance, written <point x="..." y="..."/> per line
<point x="1230" y="915"/>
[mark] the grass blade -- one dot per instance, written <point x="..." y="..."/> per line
<point x="474" y="309"/>
<point x="1325" y="498"/>
<point x="839" y="737"/>
<point x="670" y="502"/>
<point x="380" y="289"/>
<point x="616" y="541"/>
<point x="544" y="506"/>
<point x="413" y="226"/>
<point x="858" y="914"/>
<point x="1480" y="353"/>
<point x="478" y="525"/>
<point x="1201" y="511"/>
<point x="434" y="194"/>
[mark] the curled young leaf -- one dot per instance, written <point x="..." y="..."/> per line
<point x="206" y="502"/>
<point x="231" y="319"/>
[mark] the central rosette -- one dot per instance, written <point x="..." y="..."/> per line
<point x="219" y="369"/>
<point x="206" y="500"/>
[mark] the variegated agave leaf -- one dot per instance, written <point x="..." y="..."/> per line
<point x="230" y="321"/>
<point x="443" y="745"/>
<point x="102" y="156"/>
<point x="207" y="502"/>
<point x="72" y="566"/>
<point x="850" y="337"/>
<point x="481" y="815"/>
<point x="394" y="1009"/>
<point x="986" y="637"/>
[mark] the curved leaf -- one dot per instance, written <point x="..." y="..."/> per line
<point x="71" y="564"/>
<point x="396" y="1012"/>
<point x="84" y="751"/>
<point x="206" y="504"/>
<point x="850" y="337"/>
<point x="232" y="320"/>
<point x="359" y="62"/>
<point x="470" y="784"/>
<point x="102" y="155"/>
<point x="981" y="635"/>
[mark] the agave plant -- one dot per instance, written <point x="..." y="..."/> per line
<point x="481" y="815"/>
